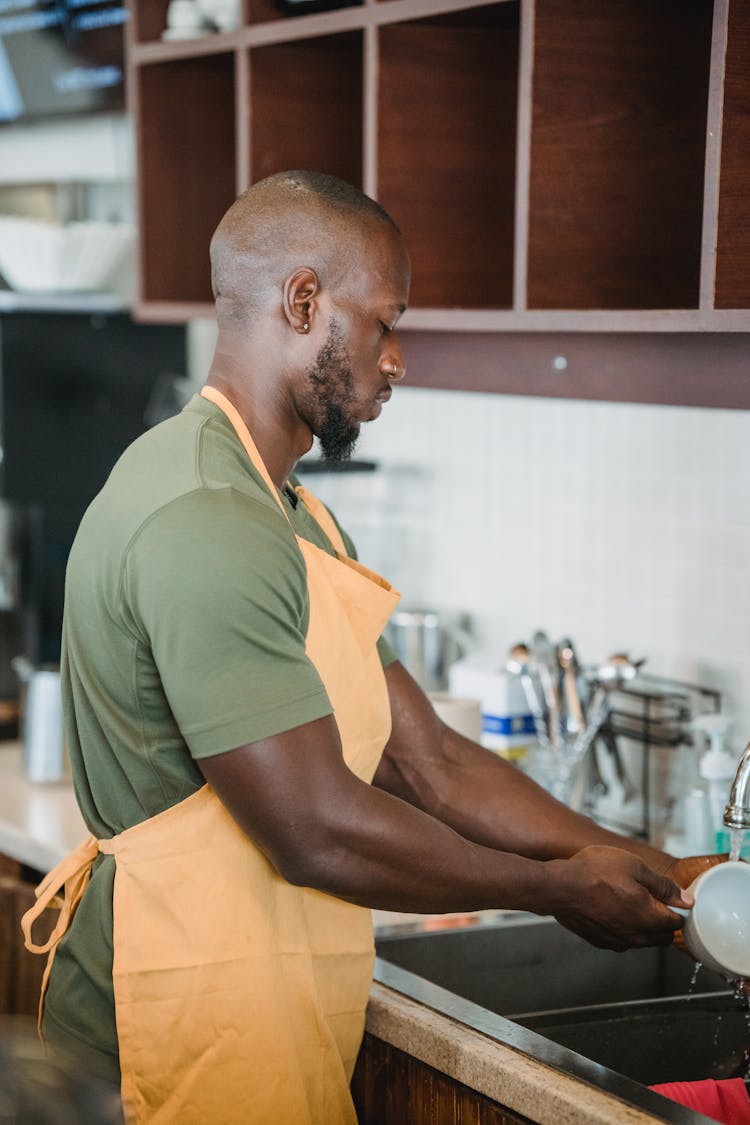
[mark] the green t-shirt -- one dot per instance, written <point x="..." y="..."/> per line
<point x="186" y="612"/>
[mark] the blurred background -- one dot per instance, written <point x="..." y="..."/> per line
<point x="573" y="459"/>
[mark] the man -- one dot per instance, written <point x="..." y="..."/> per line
<point x="255" y="767"/>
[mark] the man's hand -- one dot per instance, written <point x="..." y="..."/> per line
<point x="684" y="871"/>
<point x="614" y="900"/>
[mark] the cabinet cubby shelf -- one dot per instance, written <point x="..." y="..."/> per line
<point x="554" y="167"/>
<point x="542" y="321"/>
<point x="150" y="19"/>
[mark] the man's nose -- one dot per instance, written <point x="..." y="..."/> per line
<point x="393" y="364"/>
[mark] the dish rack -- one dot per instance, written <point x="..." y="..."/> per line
<point x="656" y="712"/>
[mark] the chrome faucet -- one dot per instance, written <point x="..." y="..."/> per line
<point x="737" y="814"/>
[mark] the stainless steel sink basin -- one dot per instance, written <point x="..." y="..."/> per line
<point x="530" y="964"/>
<point x="637" y="1014"/>
<point x="676" y="1039"/>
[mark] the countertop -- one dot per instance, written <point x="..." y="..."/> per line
<point x="39" y="823"/>
<point x="501" y="1072"/>
<point x="513" y="1066"/>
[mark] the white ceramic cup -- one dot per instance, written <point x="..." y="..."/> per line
<point x="717" y="929"/>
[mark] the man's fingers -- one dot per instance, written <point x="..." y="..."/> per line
<point x="666" y="891"/>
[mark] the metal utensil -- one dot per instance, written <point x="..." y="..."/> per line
<point x="566" y="656"/>
<point x="608" y="677"/>
<point x="608" y="739"/>
<point x="545" y="661"/>
<point x="616" y="671"/>
<point x="575" y="719"/>
<point x="597" y="713"/>
<point x="518" y="665"/>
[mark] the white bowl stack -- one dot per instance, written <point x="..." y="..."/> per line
<point x="81" y="257"/>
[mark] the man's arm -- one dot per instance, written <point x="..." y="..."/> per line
<point x="487" y="799"/>
<point x="322" y="827"/>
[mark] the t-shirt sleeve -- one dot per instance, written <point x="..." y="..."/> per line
<point x="216" y="585"/>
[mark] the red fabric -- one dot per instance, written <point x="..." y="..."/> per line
<point x="725" y="1099"/>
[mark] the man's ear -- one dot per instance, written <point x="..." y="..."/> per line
<point x="300" y="306"/>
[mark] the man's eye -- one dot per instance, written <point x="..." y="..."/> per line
<point x="384" y="329"/>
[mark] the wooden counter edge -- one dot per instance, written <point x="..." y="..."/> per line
<point x="500" y="1072"/>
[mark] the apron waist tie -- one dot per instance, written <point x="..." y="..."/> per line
<point x="71" y="875"/>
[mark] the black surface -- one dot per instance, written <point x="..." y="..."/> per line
<point x="682" y="1039"/>
<point x="74" y="391"/>
<point x="534" y="966"/>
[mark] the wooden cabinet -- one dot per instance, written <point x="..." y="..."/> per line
<point x="186" y="150"/>
<point x="555" y="167"/>
<point x="731" y="164"/>
<point x="618" y="133"/>
<point x="20" y="971"/>
<point x="444" y="157"/>
<point x="390" y="1087"/>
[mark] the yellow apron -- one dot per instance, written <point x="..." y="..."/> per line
<point x="239" y="998"/>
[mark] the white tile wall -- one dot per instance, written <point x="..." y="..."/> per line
<point x="626" y="527"/>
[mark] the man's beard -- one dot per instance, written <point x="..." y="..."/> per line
<point x="332" y="385"/>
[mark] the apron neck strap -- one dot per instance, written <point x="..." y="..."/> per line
<point x="234" y="416"/>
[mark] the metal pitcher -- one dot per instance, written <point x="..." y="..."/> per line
<point x="427" y="642"/>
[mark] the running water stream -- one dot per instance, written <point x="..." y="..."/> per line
<point x="736" y="836"/>
<point x="694" y="978"/>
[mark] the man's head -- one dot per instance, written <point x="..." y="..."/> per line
<point x="279" y="222"/>
<point x="316" y="273"/>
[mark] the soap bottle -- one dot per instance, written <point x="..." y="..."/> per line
<point x="697" y="835"/>
<point x="717" y="768"/>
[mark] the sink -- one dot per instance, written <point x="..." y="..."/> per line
<point x="531" y="964"/>
<point x="639" y="1014"/>
<point x="676" y="1039"/>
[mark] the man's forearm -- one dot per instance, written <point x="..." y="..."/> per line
<point x="483" y="797"/>
<point x="322" y="827"/>
<point x="492" y="802"/>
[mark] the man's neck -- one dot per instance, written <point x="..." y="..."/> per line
<point x="280" y="443"/>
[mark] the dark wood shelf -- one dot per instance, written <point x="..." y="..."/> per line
<point x="446" y="168"/>
<point x="675" y="369"/>
<point x="577" y="320"/>
<point x="147" y="20"/>
<point x="186" y="159"/>
<point x="266" y="11"/>
<point x="172" y="312"/>
<point x="264" y="21"/>
<point x="733" y="249"/>
<point x="290" y="127"/>
<point x="555" y="168"/>
<point x="617" y="153"/>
